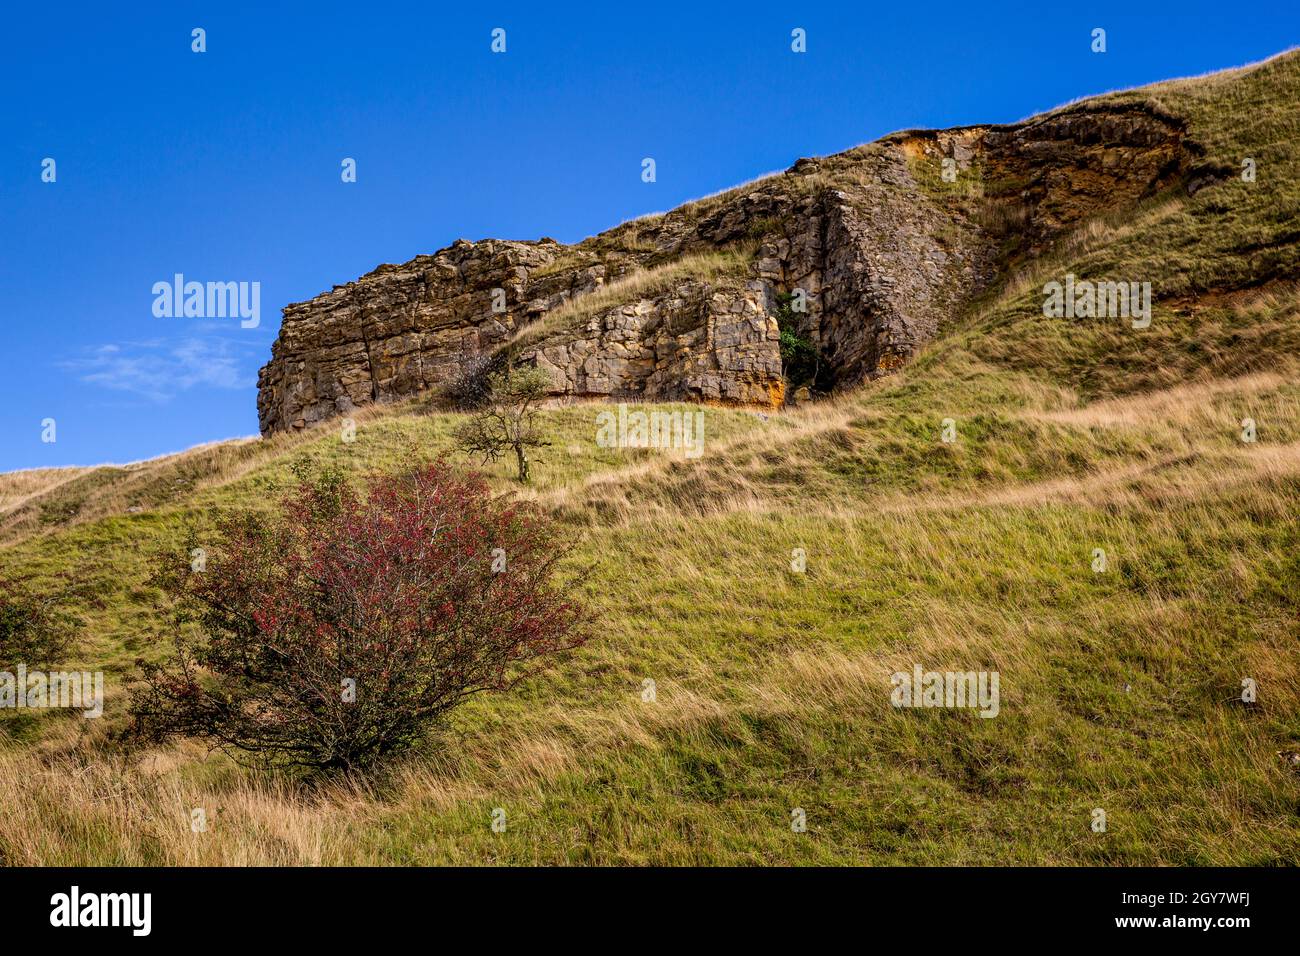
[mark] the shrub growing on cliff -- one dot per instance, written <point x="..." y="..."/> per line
<point x="508" y="421"/>
<point x="799" y="361"/>
<point x="339" y="627"/>
<point x="468" y="385"/>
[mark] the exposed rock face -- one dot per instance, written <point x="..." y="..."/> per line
<point x="696" y="342"/>
<point x="883" y="247"/>
<point x="399" y="329"/>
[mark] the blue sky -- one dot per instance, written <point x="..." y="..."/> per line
<point x="225" y="165"/>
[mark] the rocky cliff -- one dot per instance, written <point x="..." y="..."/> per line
<point x="862" y="256"/>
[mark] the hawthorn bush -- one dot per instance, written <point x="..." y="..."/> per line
<point x="507" y="421"/>
<point x="336" y="629"/>
<point x="34" y="629"/>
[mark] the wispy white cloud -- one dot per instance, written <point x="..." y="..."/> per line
<point x="160" y="369"/>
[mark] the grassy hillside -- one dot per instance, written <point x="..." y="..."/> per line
<point x="1120" y="690"/>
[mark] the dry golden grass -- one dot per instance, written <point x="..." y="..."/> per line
<point x="19" y="487"/>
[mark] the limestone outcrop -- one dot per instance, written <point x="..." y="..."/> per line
<point x="863" y="256"/>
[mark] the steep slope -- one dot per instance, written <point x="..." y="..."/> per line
<point x="1121" y="689"/>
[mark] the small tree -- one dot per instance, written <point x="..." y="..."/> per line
<point x="508" y="420"/>
<point x="34" y="630"/>
<point x="338" y="628"/>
